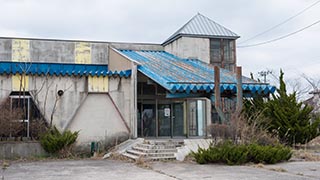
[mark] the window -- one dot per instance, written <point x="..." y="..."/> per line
<point x="222" y="53"/>
<point x="197" y="117"/>
<point x="26" y="111"/>
<point x="148" y="89"/>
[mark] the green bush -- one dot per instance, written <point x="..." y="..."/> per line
<point x="54" y="141"/>
<point x="292" y="121"/>
<point x="233" y="154"/>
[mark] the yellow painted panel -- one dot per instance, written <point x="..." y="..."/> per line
<point x="20" y="50"/>
<point x="20" y="82"/>
<point x="98" y="84"/>
<point x="83" y="53"/>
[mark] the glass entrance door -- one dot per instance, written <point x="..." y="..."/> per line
<point x="164" y="121"/>
<point x="146" y="120"/>
<point x="178" y="120"/>
<point x="171" y="119"/>
<point x="196" y="114"/>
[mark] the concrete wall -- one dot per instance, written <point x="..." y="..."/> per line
<point x="63" y="51"/>
<point x="5" y="49"/>
<point x="117" y="61"/>
<point x="44" y="90"/>
<point x="75" y="91"/>
<point x="5" y="87"/>
<point x="13" y="150"/>
<point x="120" y="92"/>
<point x="98" y="120"/>
<point x="123" y="91"/>
<point x="190" y="47"/>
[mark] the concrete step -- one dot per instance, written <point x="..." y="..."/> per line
<point x="134" y="157"/>
<point x="154" y="150"/>
<point x="136" y="153"/>
<point x="145" y="146"/>
<point x="164" y="147"/>
<point x="166" y="142"/>
<point x="162" y="158"/>
<point x="131" y="156"/>
<point x="160" y="155"/>
<point x="149" y="154"/>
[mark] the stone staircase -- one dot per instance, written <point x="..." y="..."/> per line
<point x="154" y="150"/>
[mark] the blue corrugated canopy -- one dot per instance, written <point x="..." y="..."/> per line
<point x="33" y="68"/>
<point x="179" y="75"/>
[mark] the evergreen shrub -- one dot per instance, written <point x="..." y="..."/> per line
<point x="54" y="141"/>
<point x="235" y="154"/>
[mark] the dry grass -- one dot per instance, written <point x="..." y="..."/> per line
<point x="5" y="165"/>
<point x="141" y="162"/>
<point x="189" y="158"/>
<point x="314" y="142"/>
<point x="9" y="126"/>
<point x="119" y="157"/>
<point x="306" y="155"/>
<point x="278" y="169"/>
<point x="244" y="130"/>
<point x="260" y="165"/>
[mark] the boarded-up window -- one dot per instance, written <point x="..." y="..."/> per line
<point x="20" y="50"/>
<point x="98" y="84"/>
<point x="83" y="53"/>
<point x="20" y="82"/>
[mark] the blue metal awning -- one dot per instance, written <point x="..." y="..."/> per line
<point x="32" y="68"/>
<point x="179" y="75"/>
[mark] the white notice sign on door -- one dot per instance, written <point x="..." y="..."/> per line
<point x="166" y="112"/>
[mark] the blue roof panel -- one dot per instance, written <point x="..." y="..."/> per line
<point x="32" y="68"/>
<point x="188" y="75"/>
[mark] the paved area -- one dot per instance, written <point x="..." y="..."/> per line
<point x="109" y="169"/>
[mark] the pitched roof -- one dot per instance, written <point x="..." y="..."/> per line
<point x="202" y="26"/>
<point x="179" y="75"/>
<point x="33" y="68"/>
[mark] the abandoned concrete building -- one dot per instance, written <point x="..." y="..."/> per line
<point x="111" y="90"/>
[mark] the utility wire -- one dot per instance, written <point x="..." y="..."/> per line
<point x="281" y="37"/>
<point x="281" y="23"/>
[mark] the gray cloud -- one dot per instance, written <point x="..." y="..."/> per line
<point x="154" y="21"/>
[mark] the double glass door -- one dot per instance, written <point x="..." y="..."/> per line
<point x="171" y="119"/>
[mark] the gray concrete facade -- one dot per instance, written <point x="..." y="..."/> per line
<point x="190" y="47"/>
<point x="64" y="51"/>
<point x="102" y="117"/>
<point x="99" y="117"/>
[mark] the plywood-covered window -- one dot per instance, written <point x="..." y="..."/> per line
<point x="98" y="84"/>
<point x="20" y="82"/>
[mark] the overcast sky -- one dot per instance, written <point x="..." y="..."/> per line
<point x="153" y="21"/>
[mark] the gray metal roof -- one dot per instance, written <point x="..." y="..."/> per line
<point x="202" y="26"/>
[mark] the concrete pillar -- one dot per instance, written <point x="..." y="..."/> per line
<point x="133" y="107"/>
<point x="239" y="88"/>
<point x="217" y="87"/>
